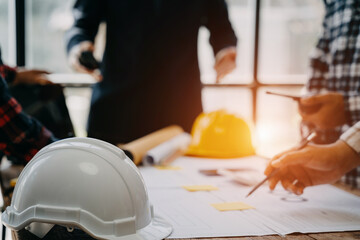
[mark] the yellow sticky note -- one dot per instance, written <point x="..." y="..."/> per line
<point x="194" y="188"/>
<point x="159" y="167"/>
<point x="231" y="206"/>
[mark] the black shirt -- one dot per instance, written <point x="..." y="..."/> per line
<point x="150" y="67"/>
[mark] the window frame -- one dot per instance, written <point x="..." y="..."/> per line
<point x="254" y="86"/>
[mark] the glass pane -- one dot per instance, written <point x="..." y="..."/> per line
<point x="4" y="26"/>
<point x="277" y="127"/>
<point x="241" y="14"/>
<point x="235" y="100"/>
<point x="288" y="32"/>
<point x="46" y="22"/>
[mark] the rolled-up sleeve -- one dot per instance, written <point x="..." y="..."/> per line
<point x="216" y="19"/>
<point x="88" y="14"/>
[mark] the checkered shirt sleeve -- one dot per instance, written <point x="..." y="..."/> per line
<point x="20" y="135"/>
<point x="352" y="137"/>
<point x="335" y="62"/>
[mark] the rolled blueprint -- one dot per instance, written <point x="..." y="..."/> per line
<point x="162" y="152"/>
<point x="139" y="147"/>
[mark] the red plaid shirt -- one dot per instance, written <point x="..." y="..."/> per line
<point x="21" y="136"/>
<point x="7" y="72"/>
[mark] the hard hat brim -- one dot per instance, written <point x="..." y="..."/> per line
<point x="158" y="229"/>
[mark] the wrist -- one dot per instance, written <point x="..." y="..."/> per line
<point x="347" y="157"/>
<point x="225" y="52"/>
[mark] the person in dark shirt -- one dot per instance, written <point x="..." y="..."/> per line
<point x="149" y="72"/>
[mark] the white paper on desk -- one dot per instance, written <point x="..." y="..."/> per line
<point x="249" y="177"/>
<point x="159" y="153"/>
<point x="320" y="209"/>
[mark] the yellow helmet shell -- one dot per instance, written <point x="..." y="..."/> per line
<point x="220" y="134"/>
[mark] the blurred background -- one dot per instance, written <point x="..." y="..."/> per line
<point x="275" y="40"/>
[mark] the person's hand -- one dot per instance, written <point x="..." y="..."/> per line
<point x="312" y="165"/>
<point x="74" y="57"/>
<point x="330" y="113"/>
<point x="33" y="76"/>
<point x="225" y="62"/>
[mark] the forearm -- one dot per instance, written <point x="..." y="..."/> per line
<point x="349" y="155"/>
<point x="87" y="17"/>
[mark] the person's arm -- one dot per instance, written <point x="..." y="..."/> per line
<point x="316" y="164"/>
<point x="222" y="37"/>
<point x="7" y="72"/>
<point x="88" y="14"/>
<point x="22" y="76"/>
<point x="20" y="135"/>
<point x="225" y="62"/>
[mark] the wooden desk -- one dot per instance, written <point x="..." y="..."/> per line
<point x="297" y="236"/>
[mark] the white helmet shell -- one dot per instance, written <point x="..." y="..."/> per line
<point x="87" y="183"/>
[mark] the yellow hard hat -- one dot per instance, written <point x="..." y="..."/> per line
<point x="220" y="134"/>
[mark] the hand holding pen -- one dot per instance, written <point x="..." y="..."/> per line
<point x="312" y="165"/>
<point x="273" y="173"/>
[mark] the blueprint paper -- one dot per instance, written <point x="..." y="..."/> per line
<point x="159" y="153"/>
<point x="320" y="209"/>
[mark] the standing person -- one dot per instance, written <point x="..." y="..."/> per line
<point x="335" y="103"/>
<point x="334" y="83"/>
<point x="21" y="136"/>
<point x="149" y="73"/>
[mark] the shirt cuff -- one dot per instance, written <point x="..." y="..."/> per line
<point x="223" y="52"/>
<point x="352" y="137"/>
<point x="8" y="73"/>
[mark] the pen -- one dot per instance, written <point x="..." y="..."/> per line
<point x="303" y="143"/>
<point x="296" y="98"/>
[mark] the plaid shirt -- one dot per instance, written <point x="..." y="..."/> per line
<point x="335" y="62"/>
<point x="352" y="137"/>
<point x="21" y="136"/>
<point x="6" y="72"/>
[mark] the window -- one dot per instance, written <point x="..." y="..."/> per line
<point x="46" y="22"/>
<point x="275" y="40"/>
<point x="288" y="32"/>
<point x="4" y="26"/>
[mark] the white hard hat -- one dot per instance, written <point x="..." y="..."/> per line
<point x="88" y="184"/>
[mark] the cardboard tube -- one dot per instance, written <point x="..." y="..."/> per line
<point x="139" y="147"/>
